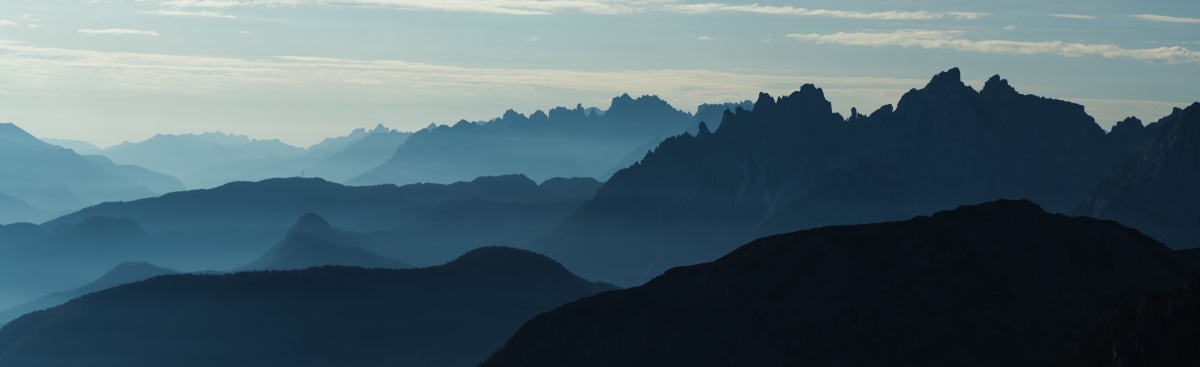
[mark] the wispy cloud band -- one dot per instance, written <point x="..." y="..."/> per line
<point x="790" y="10"/>
<point x="544" y="7"/>
<point x="955" y="40"/>
<point x="118" y="32"/>
<point x="1164" y="18"/>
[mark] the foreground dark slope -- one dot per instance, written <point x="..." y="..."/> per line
<point x="1155" y="190"/>
<point x="792" y="163"/>
<point x="1160" y="330"/>
<point x="997" y="284"/>
<point x="449" y="315"/>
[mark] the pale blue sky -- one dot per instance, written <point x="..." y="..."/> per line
<point x="107" y="71"/>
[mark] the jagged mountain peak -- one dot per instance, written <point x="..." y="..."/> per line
<point x="946" y="79"/>
<point x="997" y="86"/>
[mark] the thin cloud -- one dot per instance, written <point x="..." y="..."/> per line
<point x="8" y="23"/>
<point x="532" y="39"/>
<point x="118" y="32"/>
<point x="1164" y="18"/>
<point x="1074" y="16"/>
<point x="704" y="38"/>
<point x="790" y="10"/>
<point x="187" y="13"/>
<point x="545" y="7"/>
<point x="507" y="7"/>
<point x="954" y="40"/>
<point x="144" y="71"/>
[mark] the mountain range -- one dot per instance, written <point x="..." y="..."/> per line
<point x="996" y="284"/>
<point x="212" y="159"/>
<point x="792" y="163"/>
<point x="448" y="315"/>
<point x="560" y="143"/>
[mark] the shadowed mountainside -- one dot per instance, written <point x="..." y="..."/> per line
<point x="448" y="315"/>
<point x="1155" y="190"/>
<point x="792" y="163"/>
<point x="996" y="284"/>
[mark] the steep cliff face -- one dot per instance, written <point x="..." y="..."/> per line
<point x="1155" y="190"/>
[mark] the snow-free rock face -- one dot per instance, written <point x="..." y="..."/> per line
<point x="792" y="163"/>
<point x="1155" y="191"/>
<point x="997" y="284"/>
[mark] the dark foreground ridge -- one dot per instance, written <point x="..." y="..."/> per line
<point x="1162" y="329"/>
<point x="449" y="315"/>
<point x="997" y="284"/>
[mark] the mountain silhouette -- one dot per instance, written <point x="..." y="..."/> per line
<point x="448" y="315"/>
<point x="1161" y="329"/>
<point x="53" y="179"/>
<point x="127" y="272"/>
<point x="792" y="163"/>
<point x="560" y="143"/>
<point x="1154" y="191"/>
<point x="996" y="284"/>
<point x="313" y="242"/>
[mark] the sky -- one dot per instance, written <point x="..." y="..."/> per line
<point x="108" y="71"/>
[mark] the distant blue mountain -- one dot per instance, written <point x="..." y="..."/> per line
<point x="53" y="179"/>
<point x="560" y="143"/>
<point x="213" y="159"/>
